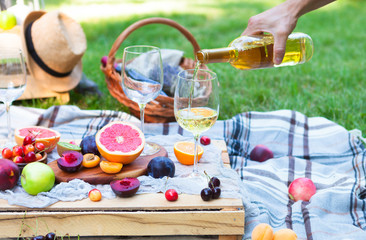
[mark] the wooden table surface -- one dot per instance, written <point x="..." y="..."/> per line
<point x="140" y="215"/>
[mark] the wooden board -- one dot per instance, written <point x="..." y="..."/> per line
<point x="97" y="176"/>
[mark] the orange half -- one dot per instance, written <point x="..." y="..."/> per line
<point x="184" y="152"/>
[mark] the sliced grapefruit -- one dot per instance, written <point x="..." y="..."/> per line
<point x="184" y="152"/>
<point x="120" y="142"/>
<point x="47" y="136"/>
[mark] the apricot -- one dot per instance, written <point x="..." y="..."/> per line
<point x="285" y="234"/>
<point x="90" y="160"/>
<point x="262" y="231"/>
<point x="110" y="167"/>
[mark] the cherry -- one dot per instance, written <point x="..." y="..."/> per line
<point x="214" y="182"/>
<point x="216" y="192"/>
<point x="39" y="147"/>
<point x="7" y="153"/>
<point x="50" y="236"/>
<point x="171" y="195"/>
<point x="28" y="148"/>
<point x="18" y="159"/>
<point x="206" y="194"/>
<point x="18" y="151"/>
<point x="30" y="157"/>
<point x="39" y="237"/>
<point x="205" y="140"/>
<point x="29" y="139"/>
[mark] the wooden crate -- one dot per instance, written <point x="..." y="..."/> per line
<point x="140" y="215"/>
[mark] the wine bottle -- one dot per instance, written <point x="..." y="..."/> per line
<point x="255" y="52"/>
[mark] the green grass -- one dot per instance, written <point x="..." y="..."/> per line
<point x="331" y="85"/>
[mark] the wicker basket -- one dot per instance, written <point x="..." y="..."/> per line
<point x="161" y="109"/>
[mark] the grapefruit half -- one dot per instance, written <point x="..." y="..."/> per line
<point x="47" y="136"/>
<point x="120" y="142"/>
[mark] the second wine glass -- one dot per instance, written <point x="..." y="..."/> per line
<point x="12" y="81"/>
<point x="196" y="104"/>
<point x="142" y="81"/>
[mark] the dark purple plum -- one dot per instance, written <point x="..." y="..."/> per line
<point x="71" y="161"/>
<point x="126" y="187"/>
<point x="159" y="167"/>
<point x="9" y="174"/>
<point x="88" y="145"/>
<point x="261" y="153"/>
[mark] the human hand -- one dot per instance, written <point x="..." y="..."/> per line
<point x="279" y="21"/>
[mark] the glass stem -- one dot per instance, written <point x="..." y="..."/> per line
<point x="7" y="107"/>
<point x="195" y="162"/>
<point x="142" y="116"/>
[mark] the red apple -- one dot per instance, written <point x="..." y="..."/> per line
<point x="301" y="189"/>
<point x="9" y="174"/>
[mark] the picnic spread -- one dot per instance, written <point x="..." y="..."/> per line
<point x="303" y="147"/>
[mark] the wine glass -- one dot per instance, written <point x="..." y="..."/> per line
<point x="142" y="81"/>
<point x="196" y="104"/>
<point x="12" y="81"/>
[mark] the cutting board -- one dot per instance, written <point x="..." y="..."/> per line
<point x="97" y="176"/>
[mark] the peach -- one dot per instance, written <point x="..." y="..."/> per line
<point x="301" y="189"/>
<point x="262" y="231"/>
<point x="285" y="234"/>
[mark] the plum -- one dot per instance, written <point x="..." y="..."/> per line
<point x="159" y="167"/>
<point x="9" y="174"/>
<point x="301" y="189"/>
<point x="88" y="145"/>
<point x="71" y="161"/>
<point x="261" y="153"/>
<point x="126" y="187"/>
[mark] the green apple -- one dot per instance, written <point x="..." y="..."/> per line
<point x="37" y="177"/>
<point x="7" y="20"/>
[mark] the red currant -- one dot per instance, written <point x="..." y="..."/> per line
<point x="7" y="153"/>
<point x="205" y="140"/>
<point x="171" y="195"/>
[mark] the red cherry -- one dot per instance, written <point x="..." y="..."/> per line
<point x="28" y="148"/>
<point x="205" y="140"/>
<point x="171" y="195"/>
<point x="39" y="147"/>
<point x="7" y="153"/>
<point x="18" y="151"/>
<point x="30" y="157"/>
<point x="29" y="139"/>
<point x="18" y="159"/>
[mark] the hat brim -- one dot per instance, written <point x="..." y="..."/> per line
<point x="57" y="84"/>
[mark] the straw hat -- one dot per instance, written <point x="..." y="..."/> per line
<point x="55" y="44"/>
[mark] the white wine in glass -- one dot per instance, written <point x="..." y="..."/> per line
<point x="196" y="104"/>
<point x="13" y="78"/>
<point x="142" y="81"/>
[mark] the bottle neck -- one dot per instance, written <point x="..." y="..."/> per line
<point x="217" y="55"/>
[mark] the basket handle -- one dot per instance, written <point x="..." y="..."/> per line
<point x="143" y="22"/>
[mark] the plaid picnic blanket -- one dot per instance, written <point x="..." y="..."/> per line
<point x="312" y="147"/>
